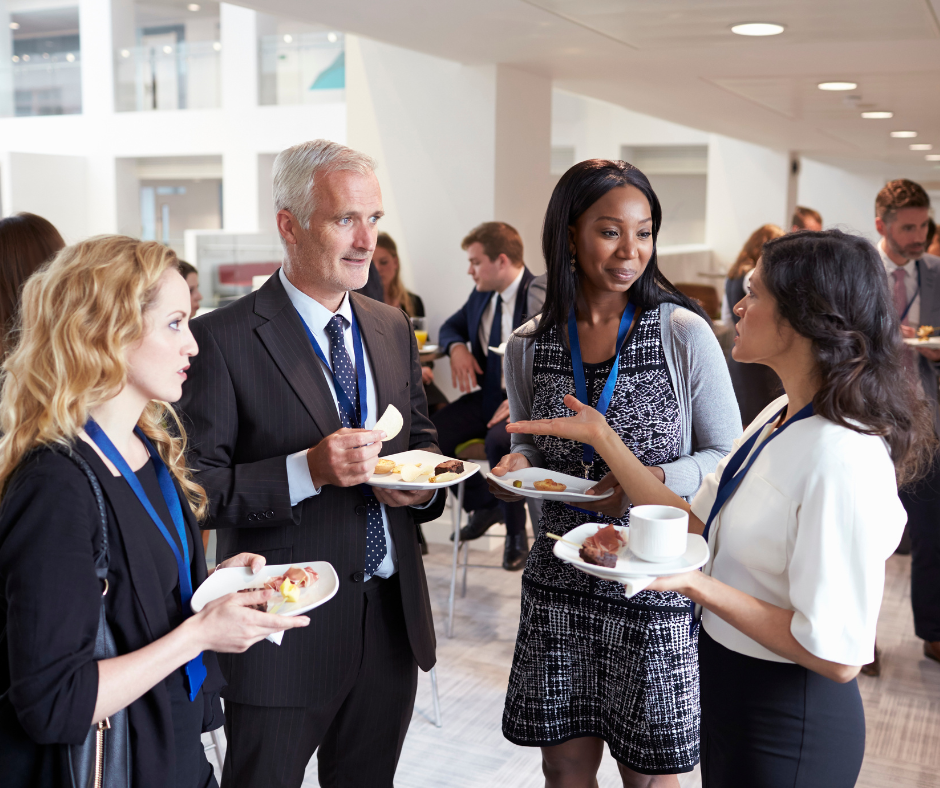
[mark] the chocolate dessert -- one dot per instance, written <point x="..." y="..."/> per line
<point x="449" y="466"/>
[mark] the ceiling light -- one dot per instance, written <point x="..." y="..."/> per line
<point x="906" y="135"/>
<point x="757" y="29"/>
<point x="14" y="25"/>
<point x="837" y="85"/>
<point x="167" y="50"/>
<point x="26" y="58"/>
<point x="921" y="146"/>
<point x="125" y="53"/>
<point x="16" y="58"/>
<point x="217" y="46"/>
<point x="194" y="6"/>
<point x="288" y="38"/>
<point x="877" y="115"/>
<point x="70" y="57"/>
<point x="332" y="37"/>
<point x="932" y="157"/>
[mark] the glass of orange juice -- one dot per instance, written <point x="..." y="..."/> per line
<point x="421" y="334"/>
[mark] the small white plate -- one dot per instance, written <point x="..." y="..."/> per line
<point x="499" y="351"/>
<point x="931" y="342"/>
<point x="392" y="481"/>
<point x="426" y="348"/>
<point x="628" y="565"/>
<point x="528" y="476"/>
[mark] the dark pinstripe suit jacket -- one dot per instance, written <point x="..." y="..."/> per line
<point x="255" y="394"/>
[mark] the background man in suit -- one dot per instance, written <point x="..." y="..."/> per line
<point x="286" y="378"/>
<point x="497" y="306"/>
<point x="901" y="219"/>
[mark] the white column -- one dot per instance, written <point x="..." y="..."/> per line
<point x="239" y="71"/>
<point x="94" y="22"/>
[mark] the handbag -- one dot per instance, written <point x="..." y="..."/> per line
<point x="103" y="760"/>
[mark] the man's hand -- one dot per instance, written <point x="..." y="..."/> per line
<point x="931" y="354"/>
<point x="908" y="332"/>
<point x="345" y="458"/>
<point x="403" y="497"/>
<point x="463" y="368"/>
<point x="502" y="413"/>
<point x="427" y="376"/>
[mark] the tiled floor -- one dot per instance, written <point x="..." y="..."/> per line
<point x="902" y="706"/>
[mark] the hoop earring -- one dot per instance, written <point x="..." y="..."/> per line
<point x="574" y="264"/>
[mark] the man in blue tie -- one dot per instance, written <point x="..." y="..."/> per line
<point x="497" y="306"/>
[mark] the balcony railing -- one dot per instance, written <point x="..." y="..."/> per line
<point x="168" y="77"/>
<point x="308" y="68"/>
<point x="41" y="85"/>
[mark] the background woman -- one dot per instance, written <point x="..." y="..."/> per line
<point x="26" y="242"/>
<point x="105" y="345"/>
<point x="591" y="666"/>
<point x="191" y="275"/>
<point x="800" y="517"/>
<point x="755" y="385"/>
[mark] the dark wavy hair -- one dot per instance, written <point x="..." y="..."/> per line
<point x="831" y="288"/>
<point x="579" y="188"/>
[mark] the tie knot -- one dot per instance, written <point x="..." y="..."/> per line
<point x="336" y="326"/>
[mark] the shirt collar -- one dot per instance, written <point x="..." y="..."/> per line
<point x="313" y="313"/>
<point x="509" y="294"/>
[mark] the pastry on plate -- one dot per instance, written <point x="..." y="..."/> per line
<point x="383" y="467"/>
<point x="547" y="485"/>
<point x="440" y="478"/>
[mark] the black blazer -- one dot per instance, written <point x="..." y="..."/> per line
<point x="50" y="529"/>
<point x="464" y="324"/>
<point x="255" y="394"/>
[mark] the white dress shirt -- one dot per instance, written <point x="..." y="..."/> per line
<point x="299" y="483"/>
<point x="910" y="283"/>
<point x="508" y="310"/>
<point x="808" y="529"/>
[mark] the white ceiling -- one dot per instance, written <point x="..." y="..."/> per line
<point x="677" y="59"/>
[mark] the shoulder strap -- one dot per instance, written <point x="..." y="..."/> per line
<point x="103" y="558"/>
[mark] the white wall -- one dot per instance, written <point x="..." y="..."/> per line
<point x="747" y="187"/>
<point x="845" y="199"/>
<point x="46" y="184"/>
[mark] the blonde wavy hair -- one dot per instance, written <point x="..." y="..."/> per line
<point x="78" y="317"/>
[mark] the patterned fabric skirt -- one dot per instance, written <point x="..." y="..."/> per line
<point x="618" y="669"/>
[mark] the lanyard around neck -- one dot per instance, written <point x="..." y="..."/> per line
<point x="580" y="383"/>
<point x="341" y="396"/>
<point x="913" y="297"/>
<point x="195" y="670"/>
<point x="733" y="474"/>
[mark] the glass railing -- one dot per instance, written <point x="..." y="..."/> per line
<point x="168" y="77"/>
<point x="308" y="68"/>
<point x="38" y="84"/>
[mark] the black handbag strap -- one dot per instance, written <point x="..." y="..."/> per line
<point x="103" y="558"/>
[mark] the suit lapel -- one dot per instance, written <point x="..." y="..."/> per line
<point x="372" y="327"/>
<point x="519" y="315"/>
<point x="287" y="342"/>
<point x="476" y="315"/>
<point x="929" y="292"/>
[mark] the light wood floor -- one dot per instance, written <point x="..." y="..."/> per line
<point x="902" y="706"/>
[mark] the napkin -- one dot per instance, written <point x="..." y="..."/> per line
<point x="633" y="585"/>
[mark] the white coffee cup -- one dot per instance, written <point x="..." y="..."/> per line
<point x="658" y="533"/>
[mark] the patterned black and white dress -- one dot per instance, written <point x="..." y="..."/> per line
<point x="588" y="661"/>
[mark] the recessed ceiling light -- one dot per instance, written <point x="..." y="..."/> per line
<point x="757" y="29"/>
<point x="332" y="37"/>
<point x="921" y="146"/>
<point x="904" y="134"/>
<point x="194" y="6"/>
<point x="125" y="53"/>
<point x="932" y="157"/>
<point x="877" y="115"/>
<point x="70" y="57"/>
<point x="217" y="46"/>
<point x="288" y="38"/>
<point x="167" y="50"/>
<point x="837" y="85"/>
<point x="14" y="25"/>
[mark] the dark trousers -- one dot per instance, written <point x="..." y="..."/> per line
<point x="922" y="503"/>
<point x="359" y="733"/>
<point x="464" y="420"/>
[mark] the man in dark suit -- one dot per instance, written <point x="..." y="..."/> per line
<point x="497" y="306"/>
<point x="901" y="218"/>
<point x="280" y="405"/>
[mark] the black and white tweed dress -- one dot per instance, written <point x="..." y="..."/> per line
<point x="588" y="661"/>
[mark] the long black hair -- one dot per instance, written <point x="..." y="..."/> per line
<point x="579" y="188"/>
<point x="831" y="288"/>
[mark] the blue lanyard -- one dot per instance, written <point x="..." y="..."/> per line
<point x="195" y="670"/>
<point x="914" y="297"/>
<point x="580" y="384"/>
<point x="731" y="477"/>
<point x="341" y="395"/>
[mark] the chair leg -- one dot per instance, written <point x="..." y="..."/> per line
<point x="466" y="561"/>
<point x="438" y="720"/>
<point x="457" y="512"/>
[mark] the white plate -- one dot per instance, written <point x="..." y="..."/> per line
<point x="499" y="351"/>
<point x="528" y="476"/>
<point x="392" y="481"/>
<point x="426" y="348"/>
<point x="628" y="565"/>
<point x="930" y="342"/>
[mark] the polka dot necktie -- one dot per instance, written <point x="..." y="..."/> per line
<point x="344" y="376"/>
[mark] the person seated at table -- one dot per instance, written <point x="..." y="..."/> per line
<point x="385" y="259"/>
<point x="496" y="307"/>
<point x="97" y="501"/>
<point x="799" y="518"/>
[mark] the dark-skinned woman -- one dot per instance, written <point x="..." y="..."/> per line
<point x="590" y="665"/>
<point x="800" y="517"/>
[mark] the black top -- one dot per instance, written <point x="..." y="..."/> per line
<point x="49" y="601"/>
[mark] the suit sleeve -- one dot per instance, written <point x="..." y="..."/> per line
<point x="245" y="495"/>
<point x="456" y="328"/>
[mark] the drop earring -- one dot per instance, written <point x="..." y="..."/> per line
<point x="574" y="264"/>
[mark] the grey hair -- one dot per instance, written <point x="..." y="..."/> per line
<point x="295" y="169"/>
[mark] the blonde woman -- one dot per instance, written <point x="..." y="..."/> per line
<point x="105" y="345"/>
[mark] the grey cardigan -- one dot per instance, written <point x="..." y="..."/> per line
<point x="707" y="408"/>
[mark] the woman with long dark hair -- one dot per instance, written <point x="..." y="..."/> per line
<point x="591" y="666"/>
<point x="799" y="518"/>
